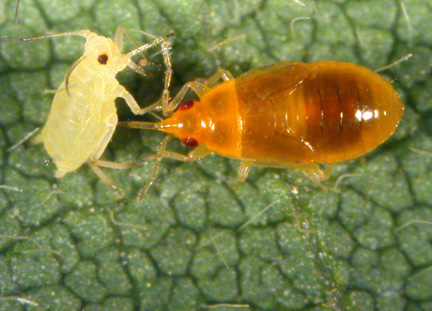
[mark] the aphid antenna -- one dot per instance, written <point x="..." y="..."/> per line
<point x="82" y="33"/>
<point x="149" y="45"/>
<point x="395" y="63"/>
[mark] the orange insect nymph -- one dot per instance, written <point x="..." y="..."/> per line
<point x="290" y="114"/>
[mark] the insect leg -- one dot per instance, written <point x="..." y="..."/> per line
<point x="243" y="170"/>
<point x="105" y="179"/>
<point x="94" y="159"/>
<point x="156" y="166"/>
<point x="313" y="171"/>
<point x="197" y="87"/>
<point x="120" y="33"/>
<point x="168" y="65"/>
<point x="119" y="36"/>
<point x="199" y="152"/>
<point x="223" y="74"/>
<point x="111" y="164"/>
<point x="120" y="91"/>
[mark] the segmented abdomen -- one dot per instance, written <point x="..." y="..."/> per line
<point x="329" y="112"/>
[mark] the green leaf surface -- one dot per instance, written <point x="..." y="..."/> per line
<point x="274" y="242"/>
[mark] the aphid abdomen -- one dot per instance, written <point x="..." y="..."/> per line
<point x="77" y="123"/>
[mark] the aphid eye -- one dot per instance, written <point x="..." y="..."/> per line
<point x="190" y="142"/>
<point x="187" y="104"/>
<point x="103" y="59"/>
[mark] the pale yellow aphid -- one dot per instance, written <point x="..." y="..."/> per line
<point x="83" y="114"/>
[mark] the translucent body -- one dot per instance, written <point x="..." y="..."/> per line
<point x="83" y="114"/>
<point x="289" y="114"/>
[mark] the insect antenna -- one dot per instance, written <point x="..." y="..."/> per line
<point x="82" y="33"/>
<point x="149" y="45"/>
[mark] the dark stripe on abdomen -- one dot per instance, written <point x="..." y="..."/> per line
<point x="332" y="101"/>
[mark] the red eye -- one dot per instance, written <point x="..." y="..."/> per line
<point x="187" y="104"/>
<point x="190" y="142"/>
<point x="103" y="59"/>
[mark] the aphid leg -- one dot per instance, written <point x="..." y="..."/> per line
<point x="105" y="179"/>
<point x="199" y="88"/>
<point x="138" y="69"/>
<point x="167" y="60"/>
<point x="114" y="165"/>
<point x="120" y="91"/>
<point x="156" y="166"/>
<point x="94" y="161"/>
<point x="120" y="33"/>
<point x="223" y="74"/>
<point x="119" y="36"/>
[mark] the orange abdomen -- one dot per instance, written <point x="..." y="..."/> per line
<point x="320" y="112"/>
